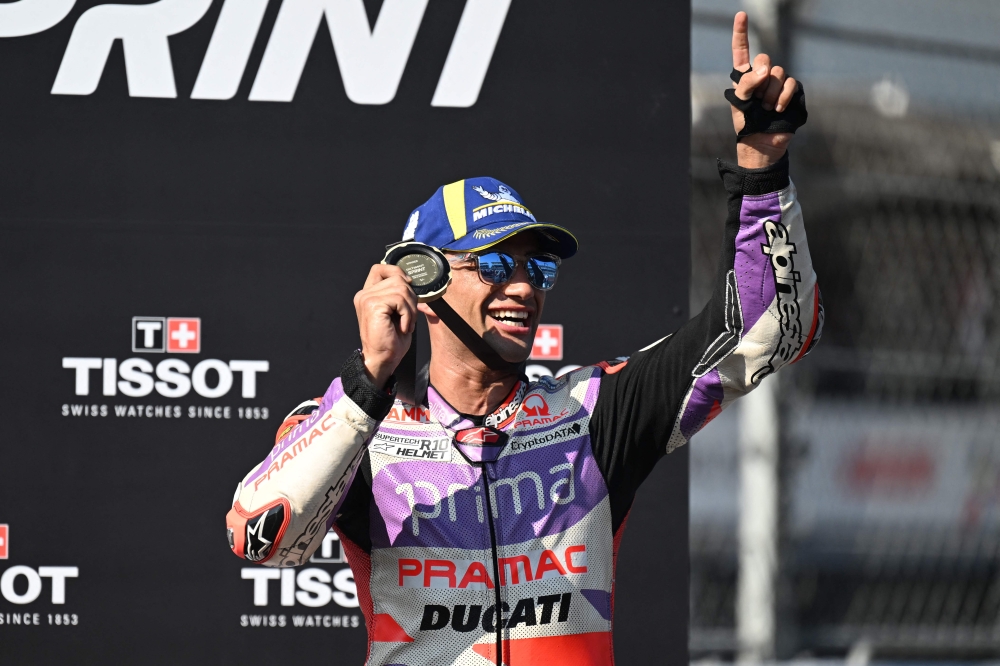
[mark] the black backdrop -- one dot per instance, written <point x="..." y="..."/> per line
<point x="261" y="218"/>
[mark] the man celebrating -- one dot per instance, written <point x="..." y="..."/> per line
<point x="482" y="523"/>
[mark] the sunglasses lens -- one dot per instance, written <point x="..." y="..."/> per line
<point x="542" y="272"/>
<point x="498" y="268"/>
<point x="495" y="267"/>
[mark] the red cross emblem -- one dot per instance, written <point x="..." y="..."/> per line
<point x="548" y="345"/>
<point x="184" y="335"/>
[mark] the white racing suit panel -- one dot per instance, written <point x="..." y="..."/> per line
<point x="287" y="501"/>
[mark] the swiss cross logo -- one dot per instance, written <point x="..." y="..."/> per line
<point x="548" y="343"/>
<point x="183" y="335"/>
<point x="4" y="542"/>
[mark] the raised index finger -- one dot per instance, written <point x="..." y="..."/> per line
<point x="741" y="41"/>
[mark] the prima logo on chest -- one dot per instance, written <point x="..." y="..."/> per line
<point x="400" y="446"/>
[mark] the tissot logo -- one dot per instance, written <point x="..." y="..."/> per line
<point x="176" y="335"/>
<point x="308" y="586"/>
<point x="170" y="377"/>
<point x="13" y="591"/>
<point x="371" y="58"/>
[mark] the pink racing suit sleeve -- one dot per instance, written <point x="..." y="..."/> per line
<point x="290" y="498"/>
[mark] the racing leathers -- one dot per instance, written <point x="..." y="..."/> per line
<point x="478" y="540"/>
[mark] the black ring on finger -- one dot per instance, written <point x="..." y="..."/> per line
<point x="736" y="74"/>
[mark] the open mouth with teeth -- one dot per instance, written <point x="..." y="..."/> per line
<point x="511" y="319"/>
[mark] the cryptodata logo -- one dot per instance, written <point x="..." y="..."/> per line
<point x="371" y="58"/>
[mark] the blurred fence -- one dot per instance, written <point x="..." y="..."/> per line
<point x="891" y="439"/>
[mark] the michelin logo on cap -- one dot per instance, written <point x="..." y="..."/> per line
<point x="504" y="195"/>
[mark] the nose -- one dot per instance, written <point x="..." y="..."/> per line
<point x="519" y="287"/>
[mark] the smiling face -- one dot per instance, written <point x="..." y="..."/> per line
<point x="505" y="315"/>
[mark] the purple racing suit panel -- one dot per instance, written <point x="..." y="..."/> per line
<point x="431" y="503"/>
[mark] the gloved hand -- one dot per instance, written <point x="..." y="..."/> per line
<point x="767" y="105"/>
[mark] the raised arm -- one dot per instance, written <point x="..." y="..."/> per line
<point x="765" y="310"/>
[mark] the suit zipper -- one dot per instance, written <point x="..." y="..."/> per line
<point x="496" y="564"/>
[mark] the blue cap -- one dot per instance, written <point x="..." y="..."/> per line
<point x="476" y="213"/>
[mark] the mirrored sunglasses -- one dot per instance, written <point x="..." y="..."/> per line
<point x="499" y="267"/>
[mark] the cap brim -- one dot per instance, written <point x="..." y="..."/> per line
<point x="557" y="240"/>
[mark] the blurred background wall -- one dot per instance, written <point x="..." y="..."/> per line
<point x="878" y="538"/>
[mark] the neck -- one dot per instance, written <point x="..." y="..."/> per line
<point x="467" y="384"/>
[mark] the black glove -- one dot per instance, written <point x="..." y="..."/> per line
<point x="757" y="120"/>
